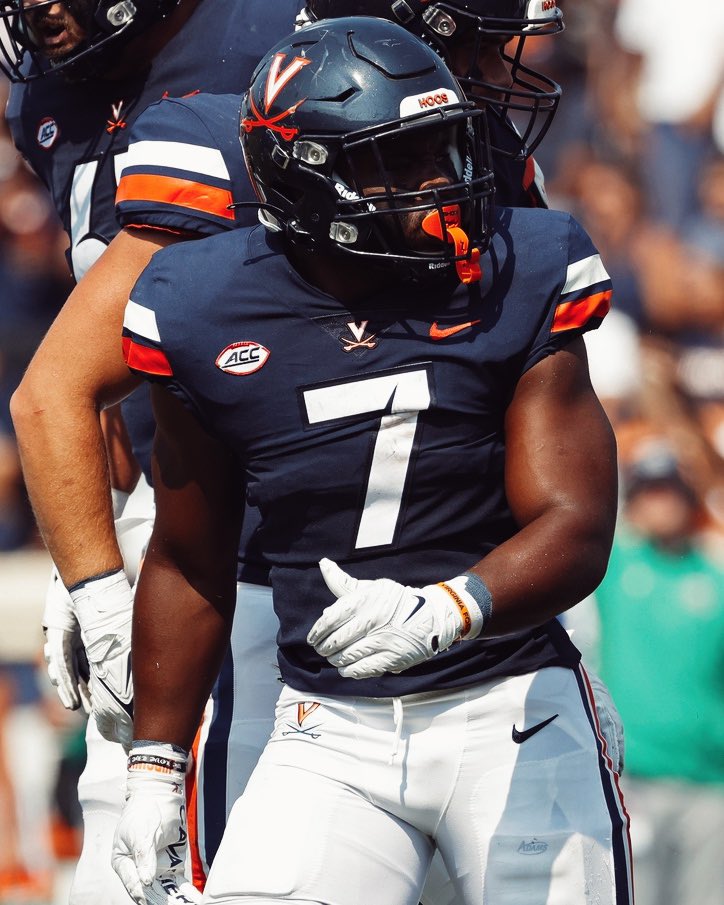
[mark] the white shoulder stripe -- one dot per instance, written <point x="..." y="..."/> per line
<point x="179" y="156"/>
<point x="585" y="273"/>
<point x="141" y="321"/>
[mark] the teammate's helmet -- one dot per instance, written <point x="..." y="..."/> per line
<point x="532" y="98"/>
<point x="345" y="96"/>
<point x="107" y="25"/>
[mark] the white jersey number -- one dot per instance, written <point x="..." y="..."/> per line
<point x="401" y="397"/>
<point x="86" y="248"/>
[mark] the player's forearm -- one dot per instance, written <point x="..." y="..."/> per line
<point x="543" y="570"/>
<point x="181" y="630"/>
<point x="66" y="472"/>
<point x="561" y="485"/>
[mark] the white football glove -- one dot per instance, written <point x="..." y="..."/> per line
<point x="382" y="626"/>
<point x="104" y="607"/>
<point x="149" y="848"/>
<point x="63" y="649"/>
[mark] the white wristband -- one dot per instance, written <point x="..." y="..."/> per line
<point x="157" y="757"/>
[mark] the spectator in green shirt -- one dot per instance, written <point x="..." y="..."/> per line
<point x="661" y="609"/>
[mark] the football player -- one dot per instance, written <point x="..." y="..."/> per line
<point x="399" y="400"/>
<point x="82" y="72"/>
<point x="474" y="37"/>
<point x="180" y="172"/>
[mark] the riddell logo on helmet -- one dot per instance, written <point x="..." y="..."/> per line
<point x="345" y="193"/>
<point x="432" y="100"/>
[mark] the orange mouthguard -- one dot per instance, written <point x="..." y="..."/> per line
<point x="468" y="270"/>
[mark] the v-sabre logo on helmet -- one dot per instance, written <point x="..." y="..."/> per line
<point x="276" y="79"/>
<point x="431" y="100"/>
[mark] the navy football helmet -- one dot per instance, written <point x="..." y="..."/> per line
<point x="458" y="29"/>
<point x="29" y="34"/>
<point x="329" y="110"/>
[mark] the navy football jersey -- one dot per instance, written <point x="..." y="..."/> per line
<point x="183" y="169"/>
<point x="375" y="436"/>
<point x="76" y="135"/>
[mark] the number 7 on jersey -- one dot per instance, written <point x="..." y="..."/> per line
<point x="400" y="397"/>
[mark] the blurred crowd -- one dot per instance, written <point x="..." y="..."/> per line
<point x="636" y="152"/>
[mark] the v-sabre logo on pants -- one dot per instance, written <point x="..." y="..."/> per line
<point x="304" y="709"/>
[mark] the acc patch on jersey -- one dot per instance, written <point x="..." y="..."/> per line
<point x="48" y="132"/>
<point x="242" y="358"/>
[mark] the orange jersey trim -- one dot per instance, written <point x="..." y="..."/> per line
<point x="181" y="192"/>
<point x="528" y="173"/>
<point x="146" y="359"/>
<point x="163" y="229"/>
<point x="571" y="315"/>
<point x="198" y="874"/>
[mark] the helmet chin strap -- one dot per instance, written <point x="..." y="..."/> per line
<point x="468" y="270"/>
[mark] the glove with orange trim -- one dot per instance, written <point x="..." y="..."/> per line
<point x="381" y="626"/>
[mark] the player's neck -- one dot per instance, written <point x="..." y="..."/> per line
<point x="140" y="52"/>
<point x="347" y="280"/>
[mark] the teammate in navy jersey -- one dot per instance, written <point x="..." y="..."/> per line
<point x="83" y="73"/>
<point x="474" y="37"/>
<point x="397" y="405"/>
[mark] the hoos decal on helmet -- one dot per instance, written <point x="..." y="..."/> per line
<point x="358" y="141"/>
<point x="79" y="37"/>
<point x="471" y="35"/>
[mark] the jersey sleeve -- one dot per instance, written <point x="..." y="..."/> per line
<point x="176" y="174"/>
<point x="144" y="351"/>
<point x="152" y="331"/>
<point x="581" y="300"/>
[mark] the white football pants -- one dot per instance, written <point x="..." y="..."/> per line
<point x="509" y="780"/>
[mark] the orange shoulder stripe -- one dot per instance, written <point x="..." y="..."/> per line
<point x="146" y="359"/>
<point x="571" y="315"/>
<point x="181" y="192"/>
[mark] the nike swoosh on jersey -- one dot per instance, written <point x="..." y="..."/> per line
<point x="437" y="332"/>
<point x="519" y="737"/>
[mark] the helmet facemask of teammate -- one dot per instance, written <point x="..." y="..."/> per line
<point x="80" y="38"/>
<point x="358" y="142"/>
<point x="474" y="36"/>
